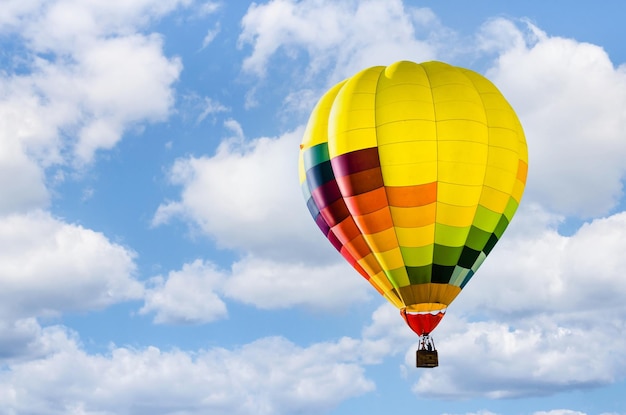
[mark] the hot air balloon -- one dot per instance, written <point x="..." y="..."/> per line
<point x="413" y="172"/>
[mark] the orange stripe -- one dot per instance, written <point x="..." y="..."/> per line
<point x="367" y="202"/>
<point x="411" y="196"/>
<point x="374" y="222"/>
<point x="358" y="248"/>
<point x="522" y="171"/>
<point x="346" y="230"/>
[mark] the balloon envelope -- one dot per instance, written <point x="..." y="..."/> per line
<point x="413" y="172"/>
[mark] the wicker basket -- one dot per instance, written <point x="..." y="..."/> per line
<point x="427" y="358"/>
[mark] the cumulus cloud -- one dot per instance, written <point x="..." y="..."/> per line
<point x="304" y="380"/>
<point x="48" y="267"/>
<point x="387" y="335"/>
<point x="549" y="272"/>
<point x="82" y="76"/>
<point x="248" y="198"/>
<point x="63" y="25"/>
<point x="196" y="293"/>
<point x="22" y="339"/>
<point x="22" y="181"/>
<point x="118" y="89"/>
<point x="96" y="96"/>
<point x="344" y="36"/>
<point x="543" y="357"/>
<point x="271" y="284"/>
<point x="186" y="296"/>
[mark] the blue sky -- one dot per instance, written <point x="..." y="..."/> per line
<point x="157" y="256"/>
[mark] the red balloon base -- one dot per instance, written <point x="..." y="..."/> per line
<point x="422" y="323"/>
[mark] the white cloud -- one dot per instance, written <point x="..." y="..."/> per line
<point x="571" y="99"/>
<point x="200" y="108"/>
<point x="194" y="295"/>
<point x="110" y="86"/>
<point x="270" y="284"/>
<point x="268" y="376"/>
<point x="48" y="267"/>
<point x="209" y="7"/>
<point x="211" y="35"/>
<point x="22" y="339"/>
<point x="543" y="357"/>
<point x="248" y="198"/>
<point x="548" y="272"/>
<point x="13" y="11"/>
<point x="387" y="335"/>
<point x="211" y="107"/>
<point x="83" y="78"/>
<point x="500" y="35"/>
<point x="238" y="138"/>
<point x="21" y="180"/>
<point x="347" y="36"/>
<point x="272" y="375"/>
<point x="63" y="25"/>
<point x="300" y="101"/>
<point x="29" y="123"/>
<point x="186" y="296"/>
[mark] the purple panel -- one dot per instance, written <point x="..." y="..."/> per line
<point x="355" y="161"/>
<point x="321" y="223"/>
<point x="326" y="194"/>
